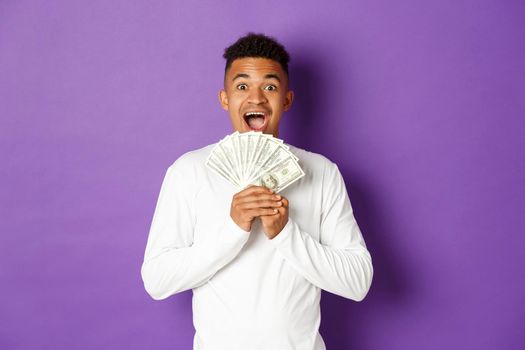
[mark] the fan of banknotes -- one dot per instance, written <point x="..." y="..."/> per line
<point x="254" y="158"/>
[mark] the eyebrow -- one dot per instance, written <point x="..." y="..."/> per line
<point x="267" y="76"/>
<point x="272" y="75"/>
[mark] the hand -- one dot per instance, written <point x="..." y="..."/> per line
<point x="253" y="202"/>
<point x="273" y="224"/>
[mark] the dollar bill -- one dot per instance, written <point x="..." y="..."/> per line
<point x="218" y="168"/>
<point x="228" y="147"/>
<point x="280" y="176"/>
<point x="254" y="158"/>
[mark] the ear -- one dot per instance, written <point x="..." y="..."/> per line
<point x="288" y="100"/>
<point x="223" y="99"/>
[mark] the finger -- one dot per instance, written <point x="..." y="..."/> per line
<point x="277" y="213"/>
<point x="253" y="213"/>
<point x="285" y="202"/>
<point x="258" y="197"/>
<point x="260" y="204"/>
<point x="252" y="190"/>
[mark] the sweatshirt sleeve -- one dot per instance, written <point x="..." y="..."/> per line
<point x="172" y="261"/>
<point x="339" y="262"/>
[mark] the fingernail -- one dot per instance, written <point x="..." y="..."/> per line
<point x="277" y="197"/>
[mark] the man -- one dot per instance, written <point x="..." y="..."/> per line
<point x="255" y="260"/>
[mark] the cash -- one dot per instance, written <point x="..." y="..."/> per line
<point x="254" y="158"/>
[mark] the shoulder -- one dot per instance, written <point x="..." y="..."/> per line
<point x="313" y="162"/>
<point x="192" y="162"/>
<point x="188" y="170"/>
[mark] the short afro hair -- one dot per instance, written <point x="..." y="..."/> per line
<point x="257" y="45"/>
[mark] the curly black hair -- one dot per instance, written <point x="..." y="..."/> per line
<point x="257" y="45"/>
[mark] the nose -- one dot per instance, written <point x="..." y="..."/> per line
<point x="257" y="97"/>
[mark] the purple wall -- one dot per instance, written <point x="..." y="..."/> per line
<point x="420" y="103"/>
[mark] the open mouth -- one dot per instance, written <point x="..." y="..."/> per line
<point x="256" y="120"/>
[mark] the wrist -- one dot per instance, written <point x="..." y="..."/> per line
<point x="273" y="233"/>
<point x="246" y="227"/>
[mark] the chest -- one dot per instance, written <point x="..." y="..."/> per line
<point x="213" y="202"/>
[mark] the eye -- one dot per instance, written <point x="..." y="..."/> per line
<point x="242" y="86"/>
<point x="270" y="87"/>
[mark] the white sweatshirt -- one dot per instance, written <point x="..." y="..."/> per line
<point x="250" y="292"/>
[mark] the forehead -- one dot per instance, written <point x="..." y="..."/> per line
<point x="255" y="67"/>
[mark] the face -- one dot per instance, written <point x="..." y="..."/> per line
<point x="256" y="94"/>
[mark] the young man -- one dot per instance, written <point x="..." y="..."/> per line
<point x="255" y="260"/>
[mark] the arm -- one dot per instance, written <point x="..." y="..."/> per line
<point x="340" y="263"/>
<point x="172" y="262"/>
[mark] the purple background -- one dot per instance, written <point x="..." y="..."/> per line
<point x="420" y="103"/>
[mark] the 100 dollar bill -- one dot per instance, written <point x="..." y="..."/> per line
<point x="280" y="176"/>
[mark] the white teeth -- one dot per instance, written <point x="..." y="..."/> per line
<point x="254" y="113"/>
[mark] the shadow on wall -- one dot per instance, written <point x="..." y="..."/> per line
<point x="343" y="320"/>
<point x="298" y="125"/>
